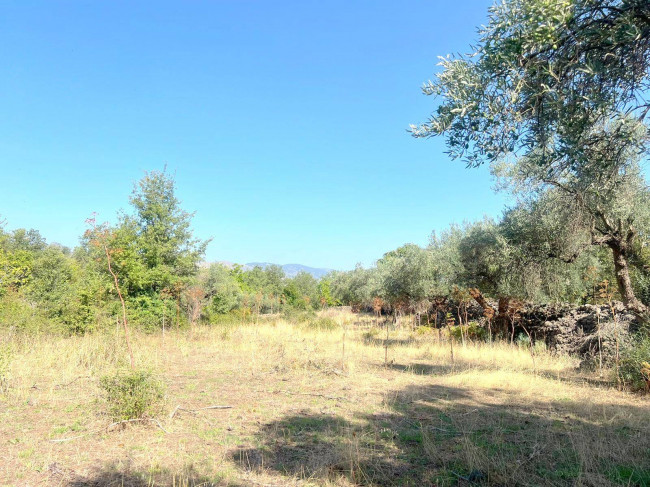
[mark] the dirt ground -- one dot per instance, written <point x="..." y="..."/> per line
<point x="322" y="403"/>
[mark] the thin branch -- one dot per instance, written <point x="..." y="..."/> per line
<point x="119" y="293"/>
<point x="179" y="408"/>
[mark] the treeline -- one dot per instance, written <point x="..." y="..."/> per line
<point x="159" y="268"/>
<point x="536" y="252"/>
<point x="540" y="250"/>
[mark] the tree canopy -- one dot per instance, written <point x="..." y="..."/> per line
<point x="554" y="98"/>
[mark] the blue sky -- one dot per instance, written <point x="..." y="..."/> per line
<point x="283" y="122"/>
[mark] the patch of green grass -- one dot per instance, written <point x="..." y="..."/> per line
<point x="565" y="468"/>
<point x="25" y="454"/>
<point x="411" y="436"/>
<point x="59" y="430"/>
<point x="626" y="475"/>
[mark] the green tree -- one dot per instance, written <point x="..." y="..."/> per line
<point x="405" y="276"/>
<point x="153" y="250"/>
<point x="553" y="98"/>
<point x="302" y="291"/>
<point x="160" y="230"/>
<point x="223" y="289"/>
<point x="353" y="288"/>
<point x="485" y="256"/>
<point x="325" y="292"/>
<point x="447" y="268"/>
<point x="550" y="258"/>
<point x="274" y="280"/>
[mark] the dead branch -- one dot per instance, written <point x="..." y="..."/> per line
<point x="66" y="384"/>
<point x="179" y="408"/>
<point x="313" y="394"/>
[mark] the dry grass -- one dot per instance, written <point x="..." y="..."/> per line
<point x="318" y="407"/>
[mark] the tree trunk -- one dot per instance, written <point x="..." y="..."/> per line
<point x="622" y="271"/>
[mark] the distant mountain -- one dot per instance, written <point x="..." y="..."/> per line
<point x="291" y="270"/>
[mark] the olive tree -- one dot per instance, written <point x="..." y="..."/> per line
<point x="553" y="97"/>
<point x="405" y="276"/>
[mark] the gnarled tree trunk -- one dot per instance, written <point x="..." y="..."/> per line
<point x="622" y="271"/>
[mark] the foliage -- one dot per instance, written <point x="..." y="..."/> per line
<point x="553" y="99"/>
<point x="634" y="366"/>
<point x="404" y="276"/>
<point x="473" y="331"/>
<point x="133" y="394"/>
<point x="353" y="288"/>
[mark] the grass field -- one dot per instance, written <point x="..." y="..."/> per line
<point x="317" y="404"/>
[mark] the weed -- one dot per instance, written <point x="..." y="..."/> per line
<point x="6" y="354"/>
<point x="133" y="394"/>
<point x="472" y="331"/>
<point x="627" y="475"/>
<point x="633" y="367"/>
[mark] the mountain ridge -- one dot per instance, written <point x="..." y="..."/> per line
<point x="290" y="270"/>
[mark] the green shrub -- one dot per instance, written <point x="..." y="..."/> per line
<point x="17" y="314"/>
<point x="631" y="365"/>
<point x="133" y="394"/>
<point x="472" y="331"/>
<point x="147" y="313"/>
<point x="522" y="340"/>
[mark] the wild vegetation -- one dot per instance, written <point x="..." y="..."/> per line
<point x="314" y="401"/>
<point x="513" y="351"/>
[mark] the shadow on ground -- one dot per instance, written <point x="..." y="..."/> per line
<point x="119" y="475"/>
<point x="438" y="435"/>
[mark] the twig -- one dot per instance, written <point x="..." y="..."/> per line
<point x="466" y="479"/>
<point x="470" y="412"/>
<point x="60" y="386"/>
<point x="460" y="476"/>
<point x="61" y="440"/>
<point x="209" y="407"/>
<point x="171" y="416"/>
<point x="335" y="372"/>
<point x="179" y="408"/>
<point x="333" y="398"/>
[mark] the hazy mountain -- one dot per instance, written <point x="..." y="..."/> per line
<point x="292" y="269"/>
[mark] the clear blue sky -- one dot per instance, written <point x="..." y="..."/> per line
<point x="284" y="122"/>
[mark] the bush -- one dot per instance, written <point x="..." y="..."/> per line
<point x="18" y="314"/>
<point x="147" y="313"/>
<point x="472" y="331"/>
<point x="634" y="364"/>
<point x="133" y="394"/>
